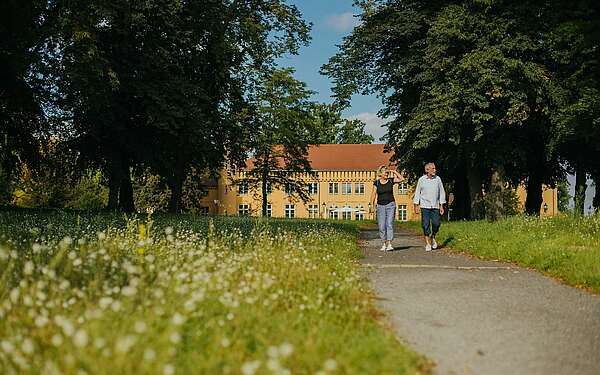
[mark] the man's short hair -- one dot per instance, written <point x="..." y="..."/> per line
<point x="430" y="164"/>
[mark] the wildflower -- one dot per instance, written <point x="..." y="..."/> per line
<point x="175" y="338"/>
<point x="225" y="342"/>
<point x="178" y="319"/>
<point x="80" y="339"/>
<point x="140" y="326"/>
<point x="286" y="349"/>
<point x="27" y="346"/>
<point x="123" y="344"/>
<point x="56" y="340"/>
<point x="149" y="355"/>
<point x="330" y="365"/>
<point x="7" y="346"/>
<point x="168" y="369"/>
<point x="28" y="268"/>
<point x="250" y="368"/>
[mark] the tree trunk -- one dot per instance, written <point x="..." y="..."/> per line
<point x="580" y="187"/>
<point x="461" y="206"/>
<point x="264" y="182"/>
<point x="533" y="202"/>
<point x="115" y="174"/>
<point x="176" y="187"/>
<point x="496" y="209"/>
<point x="475" y="192"/>
<point x="126" y="190"/>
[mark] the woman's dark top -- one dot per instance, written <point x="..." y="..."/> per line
<point x="385" y="192"/>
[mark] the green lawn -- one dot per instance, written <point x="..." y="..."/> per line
<point x="106" y="294"/>
<point x="564" y="247"/>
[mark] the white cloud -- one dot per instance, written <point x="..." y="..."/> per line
<point x="373" y="124"/>
<point x="342" y="22"/>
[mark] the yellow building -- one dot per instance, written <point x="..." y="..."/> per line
<point x="340" y="189"/>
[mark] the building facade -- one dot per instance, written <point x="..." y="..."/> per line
<point x="340" y="189"/>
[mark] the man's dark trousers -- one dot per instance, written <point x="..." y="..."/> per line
<point x="430" y="221"/>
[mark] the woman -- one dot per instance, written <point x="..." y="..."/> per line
<point x="386" y="205"/>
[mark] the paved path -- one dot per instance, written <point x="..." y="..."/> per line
<point x="476" y="317"/>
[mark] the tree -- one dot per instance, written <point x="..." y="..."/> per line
<point x="283" y="129"/>
<point x="164" y="83"/>
<point x="353" y="132"/>
<point x="330" y="128"/>
<point x="466" y="86"/>
<point x="574" y="44"/>
<point x="24" y="27"/>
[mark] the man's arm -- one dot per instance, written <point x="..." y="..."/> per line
<point x="442" y="196"/>
<point x="417" y="197"/>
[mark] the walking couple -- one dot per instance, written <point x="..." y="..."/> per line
<point x="430" y="198"/>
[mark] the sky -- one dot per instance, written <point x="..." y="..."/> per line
<point x="332" y="20"/>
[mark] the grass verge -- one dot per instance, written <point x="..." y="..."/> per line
<point x="564" y="247"/>
<point x="105" y="294"/>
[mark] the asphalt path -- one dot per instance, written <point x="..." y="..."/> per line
<point x="482" y="317"/>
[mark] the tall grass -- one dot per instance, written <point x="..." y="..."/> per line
<point x="565" y="247"/>
<point x="174" y="294"/>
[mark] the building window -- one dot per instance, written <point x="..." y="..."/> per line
<point x="243" y="188"/>
<point x="347" y="213"/>
<point x="346" y="188"/>
<point x="333" y="214"/>
<point x="334" y="188"/>
<point x="290" y="210"/>
<point x="402" y="212"/>
<point x="244" y="210"/>
<point x="289" y="189"/>
<point x="360" y="212"/>
<point x="313" y="211"/>
<point x="313" y="188"/>
<point x="269" y="188"/>
<point x="359" y="188"/>
<point x="403" y="188"/>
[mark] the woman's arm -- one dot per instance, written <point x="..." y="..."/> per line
<point x="373" y="197"/>
<point x="397" y="177"/>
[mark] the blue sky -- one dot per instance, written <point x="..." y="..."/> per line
<point x="332" y="20"/>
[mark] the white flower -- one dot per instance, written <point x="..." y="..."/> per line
<point x="140" y="326"/>
<point x="175" y="338"/>
<point x="168" y="369"/>
<point x="169" y="230"/>
<point x="41" y="321"/>
<point x="28" y="268"/>
<point x="149" y="355"/>
<point x="250" y="368"/>
<point x="123" y="344"/>
<point x="330" y="365"/>
<point x="225" y="342"/>
<point x="128" y="291"/>
<point x="56" y="340"/>
<point x="178" y="319"/>
<point x="80" y="339"/>
<point x="286" y="349"/>
<point x="27" y="346"/>
<point x="7" y="346"/>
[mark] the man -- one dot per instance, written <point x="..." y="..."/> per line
<point x="430" y="197"/>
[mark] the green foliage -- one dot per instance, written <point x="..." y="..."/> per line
<point x="329" y="127"/>
<point x="182" y="294"/>
<point x="88" y="193"/>
<point x="496" y="204"/>
<point x="477" y="86"/>
<point x="283" y="130"/>
<point x="563" y="195"/>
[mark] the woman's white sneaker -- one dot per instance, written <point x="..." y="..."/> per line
<point x="428" y="247"/>
<point x="389" y="247"/>
<point x="383" y="247"/>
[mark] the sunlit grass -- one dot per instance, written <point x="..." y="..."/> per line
<point x="564" y="247"/>
<point x="107" y="294"/>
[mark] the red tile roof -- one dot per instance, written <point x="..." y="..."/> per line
<point x="346" y="157"/>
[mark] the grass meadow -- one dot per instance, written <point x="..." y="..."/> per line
<point x="565" y="247"/>
<point x="108" y="294"/>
